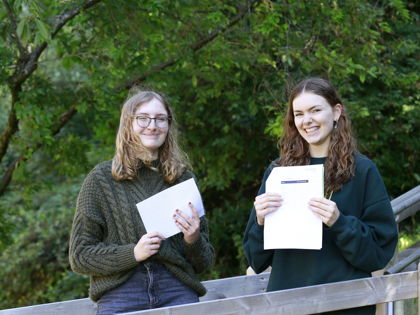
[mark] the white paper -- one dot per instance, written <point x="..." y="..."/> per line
<point x="157" y="211"/>
<point x="294" y="225"/>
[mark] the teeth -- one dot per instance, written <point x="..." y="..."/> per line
<point x="311" y="129"/>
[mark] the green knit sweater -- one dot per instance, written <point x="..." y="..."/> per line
<point x="107" y="226"/>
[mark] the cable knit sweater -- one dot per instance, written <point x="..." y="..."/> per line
<point x="107" y="226"/>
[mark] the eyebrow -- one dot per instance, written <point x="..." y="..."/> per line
<point x="308" y="109"/>
<point x="149" y="115"/>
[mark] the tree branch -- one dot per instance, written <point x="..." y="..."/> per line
<point x="31" y="64"/>
<point x="11" y="126"/>
<point x="61" y="122"/>
<point x="13" y="23"/>
<point x="194" y="47"/>
<point x="26" y="65"/>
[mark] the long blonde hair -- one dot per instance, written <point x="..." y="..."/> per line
<point x="130" y="154"/>
<point x="294" y="150"/>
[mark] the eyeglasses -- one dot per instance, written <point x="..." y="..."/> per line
<point x="144" y="121"/>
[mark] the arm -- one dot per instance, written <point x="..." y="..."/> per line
<point x="253" y="243"/>
<point x="368" y="242"/>
<point x="88" y="253"/>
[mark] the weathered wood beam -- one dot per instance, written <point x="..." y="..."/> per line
<point x="312" y="299"/>
<point x="307" y="300"/>
<point x="407" y="204"/>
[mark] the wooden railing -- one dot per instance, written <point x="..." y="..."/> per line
<point x="407" y="204"/>
<point x="246" y="294"/>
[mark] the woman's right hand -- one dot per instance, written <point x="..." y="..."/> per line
<point x="265" y="204"/>
<point x="148" y="245"/>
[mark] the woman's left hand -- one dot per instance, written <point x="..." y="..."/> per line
<point x="190" y="226"/>
<point x="326" y="209"/>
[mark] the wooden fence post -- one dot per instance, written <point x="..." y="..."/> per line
<point x="418" y="288"/>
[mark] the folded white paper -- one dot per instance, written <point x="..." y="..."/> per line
<point x="157" y="211"/>
<point x="294" y="225"/>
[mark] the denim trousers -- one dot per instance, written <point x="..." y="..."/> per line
<point x="151" y="286"/>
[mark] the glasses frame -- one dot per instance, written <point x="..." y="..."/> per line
<point x="167" y="121"/>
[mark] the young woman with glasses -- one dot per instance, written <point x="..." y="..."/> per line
<point x="131" y="269"/>
<point x="359" y="229"/>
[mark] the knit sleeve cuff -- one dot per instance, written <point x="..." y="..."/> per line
<point x="125" y="256"/>
<point x="196" y="246"/>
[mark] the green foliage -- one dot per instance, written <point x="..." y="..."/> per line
<point x="409" y="233"/>
<point x="35" y="266"/>
<point x="230" y="96"/>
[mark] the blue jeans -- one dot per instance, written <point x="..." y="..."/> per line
<point x="151" y="286"/>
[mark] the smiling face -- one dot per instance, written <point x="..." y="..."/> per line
<point x="152" y="137"/>
<point x="314" y="119"/>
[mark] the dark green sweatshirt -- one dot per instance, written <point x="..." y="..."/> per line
<point x="362" y="240"/>
<point x="107" y="226"/>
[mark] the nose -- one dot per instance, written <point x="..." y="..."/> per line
<point x="307" y="119"/>
<point x="152" y="124"/>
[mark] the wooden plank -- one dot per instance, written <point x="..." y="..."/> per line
<point x="216" y="289"/>
<point x="407" y="204"/>
<point x="412" y="258"/>
<point x="313" y="299"/>
<point x="79" y="307"/>
<point x="418" y="288"/>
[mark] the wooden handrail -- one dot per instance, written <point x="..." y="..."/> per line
<point x="401" y="265"/>
<point x="311" y="299"/>
<point x="307" y="300"/>
<point x="407" y="204"/>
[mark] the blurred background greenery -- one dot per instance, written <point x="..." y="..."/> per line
<point x="226" y="66"/>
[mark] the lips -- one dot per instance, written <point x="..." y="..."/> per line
<point x="151" y="135"/>
<point x="311" y="130"/>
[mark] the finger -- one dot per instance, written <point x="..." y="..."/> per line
<point x="268" y="199"/>
<point x="182" y="228"/>
<point x="181" y="222"/>
<point x="271" y="204"/>
<point x="193" y="210"/>
<point x="155" y="234"/>
<point x="155" y="240"/>
<point x="184" y="216"/>
<point x="154" y="246"/>
<point x="269" y="195"/>
<point x="321" y="200"/>
<point x="266" y="211"/>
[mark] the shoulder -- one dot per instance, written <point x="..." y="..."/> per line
<point x="100" y="171"/>
<point x="270" y="167"/>
<point x="103" y="167"/>
<point x="273" y="164"/>
<point x="363" y="163"/>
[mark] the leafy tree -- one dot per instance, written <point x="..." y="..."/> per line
<point x="226" y="67"/>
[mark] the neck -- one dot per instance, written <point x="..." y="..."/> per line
<point x="318" y="151"/>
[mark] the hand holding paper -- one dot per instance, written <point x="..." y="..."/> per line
<point x="265" y="204"/>
<point x="157" y="211"/>
<point x="190" y="226"/>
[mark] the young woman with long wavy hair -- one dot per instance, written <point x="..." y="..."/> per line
<point x="131" y="269"/>
<point x="359" y="229"/>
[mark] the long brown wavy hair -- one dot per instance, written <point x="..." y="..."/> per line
<point x="130" y="154"/>
<point x="294" y="150"/>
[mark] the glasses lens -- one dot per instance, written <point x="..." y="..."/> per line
<point x="161" y="122"/>
<point x="143" y="121"/>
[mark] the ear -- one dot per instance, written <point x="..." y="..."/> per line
<point x="337" y="109"/>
